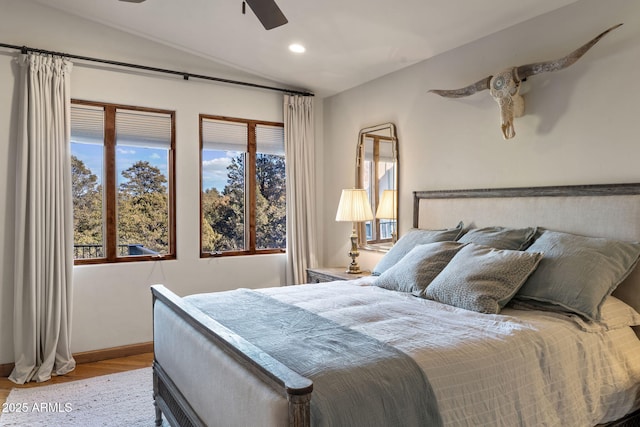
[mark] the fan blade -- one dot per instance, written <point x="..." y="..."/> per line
<point x="268" y="13"/>
<point x="133" y="1"/>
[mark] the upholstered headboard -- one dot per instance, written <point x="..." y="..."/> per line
<point x="611" y="211"/>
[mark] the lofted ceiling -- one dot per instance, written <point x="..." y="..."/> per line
<point x="348" y="42"/>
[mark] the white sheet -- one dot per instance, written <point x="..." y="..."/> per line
<point x="516" y="368"/>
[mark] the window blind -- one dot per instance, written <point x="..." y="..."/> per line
<point x="143" y="129"/>
<point x="87" y="124"/>
<point x="225" y="136"/>
<point x="270" y="139"/>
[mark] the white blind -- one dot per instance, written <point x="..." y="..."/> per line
<point x="143" y="129"/>
<point x="87" y="124"/>
<point x="270" y="139"/>
<point x="225" y="136"/>
<point x="133" y="128"/>
<point x="368" y="149"/>
<point x="385" y="150"/>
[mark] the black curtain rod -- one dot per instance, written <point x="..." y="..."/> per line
<point x="185" y="76"/>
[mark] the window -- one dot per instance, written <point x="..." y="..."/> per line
<point x="123" y="183"/>
<point x="242" y="181"/>
<point x="376" y="171"/>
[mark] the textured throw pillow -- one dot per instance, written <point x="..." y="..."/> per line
<point x="500" y="237"/>
<point x="418" y="268"/>
<point x="413" y="238"/>
<point x="481" y="278"/>
<point x="578" y="273"/>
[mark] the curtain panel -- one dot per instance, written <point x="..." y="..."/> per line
<point x="44" y="221"/>
<point x="301" y="215"/>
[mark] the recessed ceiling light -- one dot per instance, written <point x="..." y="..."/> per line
<point x="297" y="48"/>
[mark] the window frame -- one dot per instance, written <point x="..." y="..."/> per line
<point x="373" y="189"/>
<point x="250" y="192"/>
<point x="109" y="222"/>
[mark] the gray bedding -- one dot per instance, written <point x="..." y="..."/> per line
<point x="358" y="381"/>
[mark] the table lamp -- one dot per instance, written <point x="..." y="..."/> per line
<point x="388" y="208"/>
<point x="354" y="206"/>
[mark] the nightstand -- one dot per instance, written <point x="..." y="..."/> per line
<point x="318" y="275"/>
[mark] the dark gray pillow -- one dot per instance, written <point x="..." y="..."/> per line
<point x="413" y="238"/>
<point x="500" y="237"/>
<point x="418" y="268"/>
<point x="481" y="278"/>
<point x="578" y="273"/>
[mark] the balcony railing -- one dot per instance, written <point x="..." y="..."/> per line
<point x="97" y="251"/>
<point x="387" y="228"/>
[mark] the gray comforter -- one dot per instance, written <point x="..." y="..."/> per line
<point x="358" y="381"/>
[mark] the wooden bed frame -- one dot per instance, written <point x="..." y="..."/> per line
<point x="171" y="402"/>
<point x="292" y="392"/>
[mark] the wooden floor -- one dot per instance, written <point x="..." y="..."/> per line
<point x="83" y="371"/>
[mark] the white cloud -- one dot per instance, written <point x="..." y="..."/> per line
<point x="221" y="162"/>
<point x="214" y="172"/>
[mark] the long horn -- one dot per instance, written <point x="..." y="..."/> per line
<point x="465" y="91"/>
<point x="528" y="70"/>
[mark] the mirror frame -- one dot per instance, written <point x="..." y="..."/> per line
<point x="393" y="138"/>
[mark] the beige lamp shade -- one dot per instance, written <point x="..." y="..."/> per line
<point x="387" y="206"/>
<point x="354" y="206"/>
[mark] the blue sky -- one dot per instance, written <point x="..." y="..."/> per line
<point x="214" y="163"/>
<point x="126" y="156"/>
<point x="214" y="168"/>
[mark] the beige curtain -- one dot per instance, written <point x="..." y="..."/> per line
<point x="301" y="203"/>
<point x="44" y="222"/>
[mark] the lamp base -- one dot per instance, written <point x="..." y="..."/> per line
<point x="354" y="268"/>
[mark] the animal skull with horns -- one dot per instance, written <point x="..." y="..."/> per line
<point x="504" y="87"/>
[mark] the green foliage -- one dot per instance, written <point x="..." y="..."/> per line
<point x="142" y="178"/>
<point x="271" y="227"/>
<point x="144" y="220"/>
<point x="143" y="208"/>
<point x="142" y="212"/>
<point x="87" y="205"/>
<point x="224" y="221"/>
<point x="224" y="213"/>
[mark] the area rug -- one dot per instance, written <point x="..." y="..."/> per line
<point x="118" y="400"/>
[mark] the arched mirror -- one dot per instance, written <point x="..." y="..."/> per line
<point x="377" y="173"/>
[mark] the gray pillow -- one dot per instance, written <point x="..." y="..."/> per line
<point x="578" y="273"/>
<point x="418" y="268"/>
<point x="481" y="278"/>
<point x="413" y="238"/>
<point x="500" y="237"/>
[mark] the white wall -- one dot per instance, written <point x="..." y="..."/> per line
<point x="112" y="303"/>
<point x="581" y="124"/>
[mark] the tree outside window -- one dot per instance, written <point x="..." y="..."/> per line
<point x="122" y="179"/>
<point x="243" y="195"/>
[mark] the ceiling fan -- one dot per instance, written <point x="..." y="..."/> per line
<point x="267" y="12"/>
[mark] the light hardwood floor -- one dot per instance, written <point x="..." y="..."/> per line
<point x="83" y="371"/>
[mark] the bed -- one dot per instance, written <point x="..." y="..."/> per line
<point x="522" y="360"/>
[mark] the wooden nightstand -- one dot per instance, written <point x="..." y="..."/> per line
<point x="318" y="275"/>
